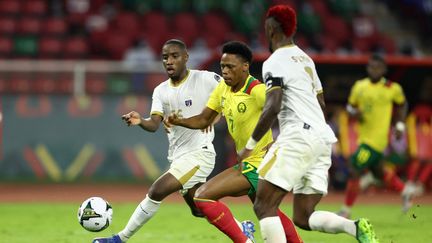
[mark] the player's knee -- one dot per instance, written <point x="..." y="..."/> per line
<point x="261" y="210"/>
<point x="157" y="194"/>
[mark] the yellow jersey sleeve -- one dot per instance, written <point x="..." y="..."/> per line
<point x="353" y="98"/>
<point x="214" y="102"/>
<point x="259" y="93"/>
<point x="398" y="94"/>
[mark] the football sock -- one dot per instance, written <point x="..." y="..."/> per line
<point x="412" y="170"/>
<point x="145" y="211"/>
<point x="272" y="230"/>
<point x="220" y="216"/>
<point x="290" y="231"/>
<point x="328" y="222"/>
<point x="352" y="191"/>
<point x="393" y="181"/>
<point x="425" y="173"/>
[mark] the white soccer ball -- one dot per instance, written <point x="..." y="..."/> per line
<point x="95" y="214"/>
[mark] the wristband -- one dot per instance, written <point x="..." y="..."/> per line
<point x="251" y="144"/>
<point x="400" y="126"/>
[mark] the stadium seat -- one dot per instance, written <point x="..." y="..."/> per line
<point x="30" y="26"/>
<point x="4" y="85"/>
<point x="387" y="44"/>
<point x="7" y="26"/>
<point x="64" y="84"/>
<point x="118" y="84"/>
<point x="50" y="47"/>
<point x="337" y="28"/>
<point x="34" y="7"/>
<point x="127" y="23"/>
<point x="153" y="80"/>
<point x="20" y="84"/>
<point x="10" y="7"/>
<point x="25" y="46"/>
<point x="6" y="47"/>
<point x="75" y="48"/>
<point x="44" y="84"/>
<point x="154" y="23"/>
<point x="117" y="45"/>
<point x="320" y="8"/>
<point x="328" y="43"/>
<point x="54" y="26"/>
<point x="215" y="28"/>
<point x="186" y="25"/>
<point x="95" y="84"/>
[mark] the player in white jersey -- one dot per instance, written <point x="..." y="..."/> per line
<point x="300" y="158"/>
<point x="191" y="153"/>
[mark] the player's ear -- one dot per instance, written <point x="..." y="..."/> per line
<point x="186" y="56"/>
<point x="245" y="67"/>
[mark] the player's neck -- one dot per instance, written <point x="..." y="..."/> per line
<point x="180" y="78"/>
<point x="375" y="80"/>
<point x="240" y="85"/>
<point x="284" y="42"/>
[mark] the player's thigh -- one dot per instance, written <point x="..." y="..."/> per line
<point x="268" y="198"/>
<point x="229" y="182"/>
<point x="315" y="180"/>
<point x="164" y="186"/>
<point x="192" y="168"/>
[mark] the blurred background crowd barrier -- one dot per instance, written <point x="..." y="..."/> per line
<point x="70" y="68"/>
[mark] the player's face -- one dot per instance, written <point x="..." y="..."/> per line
<point x="376" y="69"/>
<point x="234" y="69"/>
<point x="174" y="60"/>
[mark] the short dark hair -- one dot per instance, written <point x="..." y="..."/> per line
<point x="377" y="57"/>
<point x="177" y="42"/>
<point x="238" y="48"/>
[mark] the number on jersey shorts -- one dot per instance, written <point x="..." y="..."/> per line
<point x="250" y="172"/>
<point x="365" y="156"/>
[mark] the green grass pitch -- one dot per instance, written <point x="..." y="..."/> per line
<point x="57" y="222"/>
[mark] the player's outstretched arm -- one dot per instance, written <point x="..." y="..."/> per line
<point x="201" y="121"/>
<point x="150" y="124"/>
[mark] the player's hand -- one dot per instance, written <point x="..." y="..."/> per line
<point x="171" y="120"/>
<point x="243" y="154"/>
<point x="166" y="124"/>
<point x="132" y="118"/>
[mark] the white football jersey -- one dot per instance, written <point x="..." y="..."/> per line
<point x="300" y="86"/>
<point x="187" y="99"/>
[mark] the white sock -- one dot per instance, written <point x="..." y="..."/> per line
<point x="239" y="224"/>
<point x="331" y="223"/>
<point x="145" y="211"/>
<point x="366" y="180"/>
<point x="272" y="230"/>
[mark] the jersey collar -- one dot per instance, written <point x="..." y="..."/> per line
<point x="181" y="81"/>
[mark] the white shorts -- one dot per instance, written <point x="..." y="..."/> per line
<point x="298" y="163"/>
<point x="193" y="167"/>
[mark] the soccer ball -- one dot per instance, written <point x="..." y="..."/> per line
<point x="95" y="214"/>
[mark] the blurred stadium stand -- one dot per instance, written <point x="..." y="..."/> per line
<point x="110" y="27"/>
<point x="83" y="63"/>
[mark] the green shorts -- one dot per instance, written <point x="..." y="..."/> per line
<point x="365" y="157"/>
<point x="251" y="174"/>
<point x="397" y="159"/>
